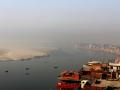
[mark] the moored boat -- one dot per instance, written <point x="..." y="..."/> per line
<point x="92" y="76"/>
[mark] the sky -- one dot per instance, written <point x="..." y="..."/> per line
<point x="39" y="22"/>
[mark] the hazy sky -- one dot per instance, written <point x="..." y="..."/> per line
<point x="27" y="21"/>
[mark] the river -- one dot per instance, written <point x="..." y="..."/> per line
<point x="40" y="74"/>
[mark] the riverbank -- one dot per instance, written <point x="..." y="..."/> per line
<point x="23" y="54"/>
<point x="114" y="49"/>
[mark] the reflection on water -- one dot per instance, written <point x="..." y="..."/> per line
<point x="41" y="74"/>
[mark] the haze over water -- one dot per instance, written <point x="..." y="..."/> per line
<point x="33" y="23"/>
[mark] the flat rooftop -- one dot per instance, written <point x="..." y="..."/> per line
<point x="106" y="83"/>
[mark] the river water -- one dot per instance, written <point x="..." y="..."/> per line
<point x="40" y="74"/>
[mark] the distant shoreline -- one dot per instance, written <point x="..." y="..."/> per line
<point x="27" y="59"/>
<point x="24" y="54"/>
<point x="100" y="47"/>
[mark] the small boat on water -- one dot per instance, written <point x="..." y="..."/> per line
<point x="69" y="80"/>
<point x="67" y="85"/>
<point x="69" y="76"/>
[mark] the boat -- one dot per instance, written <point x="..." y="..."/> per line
<point x="67" y="85"/>
<point x="68" y="80"/>
<point x="92" y="76"/>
